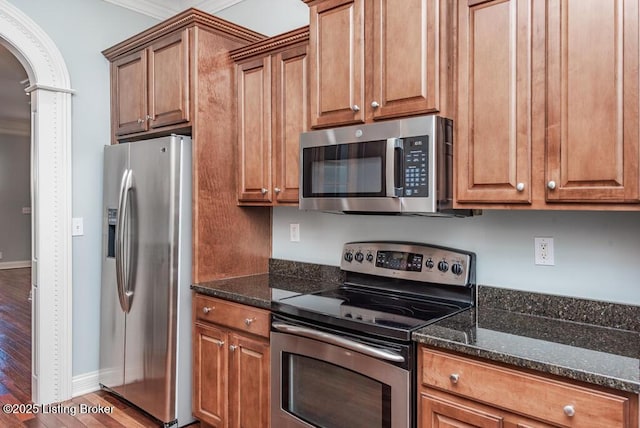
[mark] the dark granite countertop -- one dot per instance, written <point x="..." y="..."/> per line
<point x="594" y="342"/>
<point x="598" y="355"/>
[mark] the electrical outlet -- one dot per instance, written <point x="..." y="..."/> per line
<point x="294" y="232"/>
<point x="543" y="247"/>
<point x="77" y="226"/>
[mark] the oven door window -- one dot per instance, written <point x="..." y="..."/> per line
<point x="320" y="384"/>
<point x="345" y="170"/>
<point x="327" y="395"/>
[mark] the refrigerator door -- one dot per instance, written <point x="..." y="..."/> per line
<point x="151" y="321"/>
<point x="112" y="324"/>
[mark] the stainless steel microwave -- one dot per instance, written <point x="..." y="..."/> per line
<point x="400" y="166"/>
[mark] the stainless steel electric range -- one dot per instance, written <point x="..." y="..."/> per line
<point x="344" y="357"/>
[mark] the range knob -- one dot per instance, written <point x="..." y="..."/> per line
<point x="429" y="263"/>
<point x="348" y="256"/>
<point x="443" y="266"/>
<point x="369" y="257"/>
<point x="456" y="268"/>
<point x="359" y="257"/>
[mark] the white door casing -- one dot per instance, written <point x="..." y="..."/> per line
<point x="50" y="91"/>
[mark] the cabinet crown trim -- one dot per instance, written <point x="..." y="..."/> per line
<point x="189" y="18"/>
<point x="298" y="35"/>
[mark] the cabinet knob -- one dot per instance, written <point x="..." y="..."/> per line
<point x="263" y="191"/>
<point x="551" y="185"/>
<point x="232" y="348"/>
<point x="454" y="377"/>
<point x="220" y="343"/>
<point x="149" y="117"/>
<point x="277" y="190"/>
<point x="249" y="321"/>
<point x="520" y="187"/>
<point x="569" y="410"/>
<point x="140" y="120"/>
<point x="375" y="104"/>
<point x="355" y="108"/>
<point x="207" y="309"/>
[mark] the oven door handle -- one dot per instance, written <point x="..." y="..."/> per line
<point x="338" y="341"/>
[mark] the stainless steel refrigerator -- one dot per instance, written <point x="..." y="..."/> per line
<point x="145" y="346"/>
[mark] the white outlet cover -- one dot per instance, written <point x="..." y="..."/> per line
<point x="77" y="226"/>
<point x="294" y="232"/>
<point x="543" y="251"/>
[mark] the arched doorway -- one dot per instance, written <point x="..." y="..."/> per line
<point x="50" y="93"/>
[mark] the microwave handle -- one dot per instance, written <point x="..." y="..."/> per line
<point x="395" y="167"/>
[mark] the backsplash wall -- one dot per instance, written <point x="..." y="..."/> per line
<point x="596" y="253"/>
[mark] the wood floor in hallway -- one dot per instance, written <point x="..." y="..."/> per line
<point x="15" y="374"/>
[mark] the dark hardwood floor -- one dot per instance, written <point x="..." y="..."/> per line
<point x="15" y="374"/>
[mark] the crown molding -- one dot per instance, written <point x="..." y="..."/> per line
<point x="163" y="9"/>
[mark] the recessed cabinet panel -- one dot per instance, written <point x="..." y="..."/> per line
<point x="494" y="116"/>
<point x="405" y="64"/>
<point x="291" y="120"/>
<point x="210" y="380"/>
<point x="169" y="80"/>
<point x="254" y="115"/>
<point x="337" y="49"/>
<point x="129" y="75"/>
<point x="593" y="100"/>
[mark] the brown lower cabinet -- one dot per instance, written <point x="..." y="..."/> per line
<point x="456" y="391"/>
<point x="230" y="364"/>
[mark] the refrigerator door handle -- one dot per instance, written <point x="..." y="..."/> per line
<point x="122" y="265"/>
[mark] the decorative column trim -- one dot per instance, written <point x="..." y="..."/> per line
<point x="51" y="199"/>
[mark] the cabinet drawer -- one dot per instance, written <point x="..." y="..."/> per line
<point x="233" y="315"/>
<point x="523" y="393"/>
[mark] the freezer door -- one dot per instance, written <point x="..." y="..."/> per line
<point x="112" y="317"/>
<point x="151" y="321"/>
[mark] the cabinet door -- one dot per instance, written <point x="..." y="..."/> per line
<point x="254" y="130"/>
<point x="494" y="101"/>
<point x="291" y="118"/>
<point x="405" y="57"/>
<point x="169" y="80"/>
<point x="210" y="375"/>
<point x="592" y="100"/>
<point x="435" y="412"/>
<point x="336" y="52"/>
<point x="249" y="383"/>
<point x="129" y="93"/>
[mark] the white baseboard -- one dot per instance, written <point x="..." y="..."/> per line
<point x="84" y="384"/>
<point x="15" y="265"/>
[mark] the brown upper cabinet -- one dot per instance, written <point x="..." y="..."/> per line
<point x="548" y="104"/>
<point x="151" y="86"/>
<point x="379" y="59"/>
<point x="272" y="91"/>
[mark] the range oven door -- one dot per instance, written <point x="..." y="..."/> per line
<point x="324" y="380"/>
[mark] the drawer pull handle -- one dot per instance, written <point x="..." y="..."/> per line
<point x="454" y="377"/>
<point x="232" y="348"/>
<point x="220" y="343"/>
<point x="248" y="321"/>
<point x="569" y="410"/>
<point x="207" y="309"/>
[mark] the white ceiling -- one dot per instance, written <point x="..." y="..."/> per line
<point x="162" y="9"/>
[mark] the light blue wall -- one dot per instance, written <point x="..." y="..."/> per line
<point x="597" y="254"/>
<point x="81" y="29"/>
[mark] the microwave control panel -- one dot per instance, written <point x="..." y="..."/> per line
<point x="416" y="161"/>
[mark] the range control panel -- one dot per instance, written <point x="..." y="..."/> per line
<point x="412" y="261"/>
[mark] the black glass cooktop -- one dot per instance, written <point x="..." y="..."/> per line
<point x="368" y="310"/>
